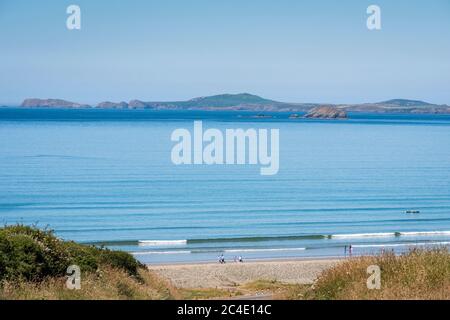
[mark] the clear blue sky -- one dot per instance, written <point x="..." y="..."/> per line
<point x="288" y="50"/>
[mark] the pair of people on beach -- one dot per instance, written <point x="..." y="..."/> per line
<point x="350" y="250"/>
<point x="236" y="259"/>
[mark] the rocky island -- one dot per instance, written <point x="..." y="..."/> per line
<point x="51" y="103"/>
<point x="326" y="112"/>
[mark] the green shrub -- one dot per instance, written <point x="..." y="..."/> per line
<point x="86" y="257"/>
<point x="32" y="254"/>
<point x="121" y="260"/>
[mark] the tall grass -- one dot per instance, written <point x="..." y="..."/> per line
<point x="106" y="284"/>
<point x="418" y="274"/>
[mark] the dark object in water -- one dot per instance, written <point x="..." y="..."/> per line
<point x="412" y="211"/>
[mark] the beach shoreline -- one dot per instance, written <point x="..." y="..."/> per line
<point x="232" y="274"/>
<point x="247" y="260"/>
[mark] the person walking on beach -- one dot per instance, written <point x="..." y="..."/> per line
<point x="345" y="251"/>
<point x="350" y="250"/>
<point x="240" y="259"/>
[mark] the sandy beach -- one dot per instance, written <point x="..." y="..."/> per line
<point x="215" y="275"/>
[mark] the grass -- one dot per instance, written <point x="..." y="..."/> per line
<point x="278" y="290"/>
<point x="418" y="274"/>
<point x="208" y="293"/>
<point x="107" y="284"/>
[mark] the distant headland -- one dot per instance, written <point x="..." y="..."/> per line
<point x="249" y="102"/>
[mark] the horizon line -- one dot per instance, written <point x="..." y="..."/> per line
<point x="18" y="104"/>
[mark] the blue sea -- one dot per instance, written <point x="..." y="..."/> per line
<point x="105" y="177"/>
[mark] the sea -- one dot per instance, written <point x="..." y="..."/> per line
<point x="375" y="182"/>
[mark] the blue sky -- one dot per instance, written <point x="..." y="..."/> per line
<point x="288" y="50"/>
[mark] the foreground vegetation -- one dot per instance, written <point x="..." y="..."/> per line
<point x="418" y="274"/>
<point x="33" y="265"/>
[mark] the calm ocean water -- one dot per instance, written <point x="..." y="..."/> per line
<point x="99" y="176"/>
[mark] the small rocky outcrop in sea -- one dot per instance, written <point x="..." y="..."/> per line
<point x="326" y="112"/>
